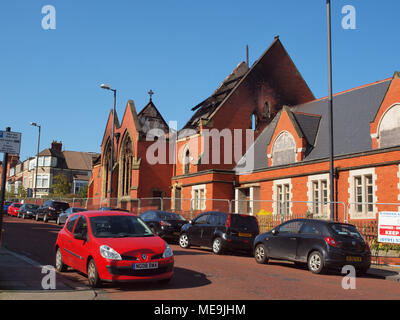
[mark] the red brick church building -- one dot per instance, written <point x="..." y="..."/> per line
<point x="273" y="150"/>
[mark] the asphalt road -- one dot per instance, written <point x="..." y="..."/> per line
<point x="199" y="274"/>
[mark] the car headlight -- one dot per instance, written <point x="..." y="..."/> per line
<point x="109" y="253"/>
<point x="167" y="251"/>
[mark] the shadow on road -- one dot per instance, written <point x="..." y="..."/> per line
<point x="189" y="253"/>
<point x="182" y="279"/>
<point x="372" y="273"/>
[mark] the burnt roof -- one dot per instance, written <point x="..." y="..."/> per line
<point x="274" y="66"/>
<point x="150" y="118"/>
<point x="206" y="108"/>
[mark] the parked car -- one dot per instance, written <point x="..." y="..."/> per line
<point x="165" y="224"/>
<point x="50" y="210"/>
<point x="113" y="246"/>
<point x="13" y="209"/>
<point x="5" y="206"/>
<point x="27" y="211"/>
<point x="220" y="231"/>
<point x="112" y="209"/>
<point x="63" y="216"/>
<point x="319" y="244"/>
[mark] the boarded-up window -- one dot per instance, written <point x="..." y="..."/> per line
<point x="389" y="129"/>
<point x="284" y="149"/>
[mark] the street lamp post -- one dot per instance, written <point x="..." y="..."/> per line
<point x="330" y="110"/>
<point x="34" y="124"/>
<point x="107" y="87"/>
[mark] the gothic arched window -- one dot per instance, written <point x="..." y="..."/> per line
<point x="106" y="167"/>
<point x="186" y="162"/>
<point x="389" y="128"/>
<point x="125" y="162"/>
<point x="284" y="149"/>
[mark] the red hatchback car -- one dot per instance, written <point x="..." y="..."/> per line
<point x="113" y="247"/>
<point x="13" y="209"/>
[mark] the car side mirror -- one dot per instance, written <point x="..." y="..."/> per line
<point x="80" y="236"/>
<point x="190" y="222"/>
<point x="274" y="232"/>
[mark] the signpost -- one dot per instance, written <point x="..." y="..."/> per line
<point x="10" y="143"/>
<point x="389" y="227"/>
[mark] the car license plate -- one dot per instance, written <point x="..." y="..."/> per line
<point x="242" y="234"/>
<point x="176" y="233"/>
<point x="353" y="259"/>
<point x="146" y="265"/>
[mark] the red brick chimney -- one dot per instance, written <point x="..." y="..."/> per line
<point x="56" y="146"/>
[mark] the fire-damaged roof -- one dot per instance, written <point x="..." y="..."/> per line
<point x="150" y="118"/>
<point x="274" y="67"/>
<point x="206" y="108"/>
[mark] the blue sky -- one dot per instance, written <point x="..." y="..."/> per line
<point x="181" y="49"/>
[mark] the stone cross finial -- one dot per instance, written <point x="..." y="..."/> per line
<point x="151" y="94"/>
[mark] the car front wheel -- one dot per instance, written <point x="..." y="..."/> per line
<point x="315" y="262"/>
<point x="260" y="254"/>
<point x="184" y="241"/>
<point x="93" y="275"/>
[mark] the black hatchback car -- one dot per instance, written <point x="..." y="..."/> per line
<point x="63" y="216"/>
<point x="318" y="243"/>
<point x="220" y="231"/>
<point x="50" y="210"/>
<point x="165" y="224"/>
<point x="27" y="210"/>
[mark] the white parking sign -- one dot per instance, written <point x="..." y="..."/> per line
<point x="389" y="227"/>
<point x="10" y="142"/>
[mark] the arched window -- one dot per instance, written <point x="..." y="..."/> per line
<point x="125" y="162"/>
<point x="268" y="109"/>
<point x="186" y="162"/>
<point x="389" y="128"/>
<point x="284" y="149"/>
<point x="254" y="121"/>
<point x="106" y="167"/>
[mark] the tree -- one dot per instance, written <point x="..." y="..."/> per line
<point x="61" y="185"/>
<point x="22" y="193"/>
<point x="83" y="193"/>
<point x="10" y="194"/>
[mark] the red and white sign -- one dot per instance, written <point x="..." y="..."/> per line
<point x="389" y="227"/>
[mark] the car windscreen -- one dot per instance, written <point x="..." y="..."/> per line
<point x="119" y="227"/>
<point x="17" y="205"/>
<point x="78" y="210"/>
<point x="241" y="222"/>
<point x="345" y="230"/>
<point x="31" y="206"/>
<point x="61" y="205"/>
<point x="170" y="216"/>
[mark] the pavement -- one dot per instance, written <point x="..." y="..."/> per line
<point x="22" y="279"/>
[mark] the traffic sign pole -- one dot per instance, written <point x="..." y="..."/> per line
<point x="3" y="187"/>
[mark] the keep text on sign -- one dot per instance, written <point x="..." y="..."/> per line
<point x="389" y="227"/>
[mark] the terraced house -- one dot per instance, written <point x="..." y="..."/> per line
<point x="272" y="155"/>
<point x="76" y="166"/>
